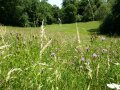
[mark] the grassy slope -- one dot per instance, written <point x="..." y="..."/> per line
<point x="66" y="30"/>
<point x="62" y="64"/>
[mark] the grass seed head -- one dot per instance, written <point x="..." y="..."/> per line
<point x="10" y="72"/>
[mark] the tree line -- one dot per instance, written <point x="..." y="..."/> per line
<point x="111" y="24"/>
<point x="31" y="12"/>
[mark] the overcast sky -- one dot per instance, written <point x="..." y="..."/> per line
<point x="55" y="2"/>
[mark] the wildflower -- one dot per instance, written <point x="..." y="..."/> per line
<point x="103" y="38"/>
<point x="114" y="86"/>
<point x="81" y="67"/>
<point x="88" y="61"/>
<point x="53" y="54"/>
<point x="95" y="55"/>
<point x="87" y="49"/>
<point x="82" y="59"/>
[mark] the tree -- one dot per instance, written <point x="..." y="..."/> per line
<point x="67" y="2"/>
<point x="46" y="12"/>
<point x="69" y="14"/>
<point x="112" y="22"/>
<point x="10" y="11"/>
<point x="102" y="11"/>
<point x="56" y="13"/>
<point x="25" y="12"/>
<point x="90" y="9"/>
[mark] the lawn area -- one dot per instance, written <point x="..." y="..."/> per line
<point x="58" y="58"/>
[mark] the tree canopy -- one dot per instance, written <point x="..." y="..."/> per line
<point x="111" y="23"/>
<point x="32" y="12"/>
<point x="25" y="12"/>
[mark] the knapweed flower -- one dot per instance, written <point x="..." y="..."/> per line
<point x="87" y="49"/>
<point x="114" y="86"/>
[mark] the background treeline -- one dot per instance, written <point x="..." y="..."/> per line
<point x="27" y="12"/>
<point x="111" y="24"/>
<point x="85" y="10"/>
<point x="32" y="12"/>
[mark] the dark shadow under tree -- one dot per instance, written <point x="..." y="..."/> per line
<point x="111" y="24"/>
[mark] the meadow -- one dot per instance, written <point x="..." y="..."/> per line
<point x="58" y="57"/>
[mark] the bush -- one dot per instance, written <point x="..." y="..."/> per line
<point x="111" y="23"/>
<point x="107" y="25"/>
<point x="102" y="12"/>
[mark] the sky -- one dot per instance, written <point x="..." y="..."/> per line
<point x="55" y="2"/>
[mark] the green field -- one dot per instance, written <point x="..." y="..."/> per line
<point x="61" y="57"/>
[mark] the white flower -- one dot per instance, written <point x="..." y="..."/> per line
<point x="111" y="86"/>
<point x="53" y="54"/>
<point x="82" y="59"/>
<point x="114" y="86"/>
<point x="104" y="50"/>
<point x="117" y="63"/>
<point x="103" y="38"/>
<point x="95" y="55"/>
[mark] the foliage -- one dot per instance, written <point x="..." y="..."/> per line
<point x="111" y="24"/>
<point x="32" y="12"/>
<point x="67" y="2"/>
<point x="56" y="13"/>
<point x="64" y="64"/>
<point x="25" y="12"/>
<point x="69" y="14"/>
<point x="24" y="20"/>
<point x="10" y="11"/>
<point x="102" y="12"/>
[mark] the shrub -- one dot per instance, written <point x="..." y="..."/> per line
<point x="112" y="22"/>
<point x="106" y="27"/>
<point x="102" y="12"/>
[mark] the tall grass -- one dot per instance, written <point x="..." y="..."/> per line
<point x="60" y="62"/>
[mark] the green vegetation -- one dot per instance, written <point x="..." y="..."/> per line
<point x="111" y="23"/>
<point x="30" y="13"/>
<point x="58" y="58"/>
<point x="26" y="12"/>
